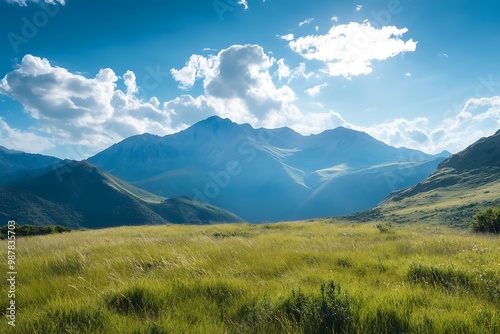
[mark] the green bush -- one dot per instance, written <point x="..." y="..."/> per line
<point x="299" y="312"/>
<point x="385" y="228"/>
<point x="487" y="221"/>
<point x="31" y="230"/>
<point x="328" y="313"/>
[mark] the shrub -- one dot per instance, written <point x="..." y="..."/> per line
<point x="487" y="221"/>
<point x="328" y="313"/>
<point x="385" y="228"/>
<point x="31" y="230"/>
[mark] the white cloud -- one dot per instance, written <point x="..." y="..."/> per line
<point x="349" y="50"/>
<point x="316" y="122"/>
<point x="186" y="110"/>
<point x="244" y="3"/>
<point x="335" y="19"/>
<point x="359" y="7"/>
<point x="314" y="91"/>
<point x="300" y="72"/>
<point x="72" y="109"/>
<point x="288" y="37"/>
<point x="22" y="140"/>
<point x="238" y="83"/>
<point x="197" y="67"/>
<point x="478" y="118"/>
<point x="306" y="21"/>
<point x="408" y="74"/>
<point x="25" y="2"/>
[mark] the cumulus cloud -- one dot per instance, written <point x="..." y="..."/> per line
<point x="197" y="67"/>
<point x="478" y="118"/>
<point x="314" y="91"/>
<point x="238" y="84"/>
<point x="350" y="49"/>
<point x="186" y="110"/>
<point x="25" y="2"/>
<point x="72" y="109"/>
<point x="359" y="7"/>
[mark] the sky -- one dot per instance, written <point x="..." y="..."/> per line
<point x="78" y="76"/>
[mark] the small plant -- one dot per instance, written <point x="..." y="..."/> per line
<point x="487" y="221"/>
<point x="328" y="313"/>
<point x="385" y="228"/>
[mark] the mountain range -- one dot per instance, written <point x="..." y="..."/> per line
<point x="79" y="195"/>
<point x="462" y="185"/>
<point x="268" y="174"/>
<point x="260" y="174"/>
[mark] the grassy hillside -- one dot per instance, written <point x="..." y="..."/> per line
<point x="258" y="279"/>
<point x="80" y="195"/>
<point x="463" y="184"/>
<point x="453" y="205"/>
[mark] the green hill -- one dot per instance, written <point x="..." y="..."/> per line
<point x="462" y="185"/>
<point x="77" y="194"/>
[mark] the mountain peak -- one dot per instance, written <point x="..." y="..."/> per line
<point x="215" y="122"/>
<point x="213" y="125"/>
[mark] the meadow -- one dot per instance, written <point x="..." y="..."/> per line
<point x="319" y="276"/>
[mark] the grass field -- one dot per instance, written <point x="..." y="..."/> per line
<point x="306" y="277"/>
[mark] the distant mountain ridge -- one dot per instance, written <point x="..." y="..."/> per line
<point x="77" y="194"/>
<point x="267" y="174"/>
<point x="15" y="165"/>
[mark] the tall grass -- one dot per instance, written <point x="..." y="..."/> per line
<point x="314" y="277"/>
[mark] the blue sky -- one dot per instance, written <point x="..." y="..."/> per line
<point x="77" y="76"/>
